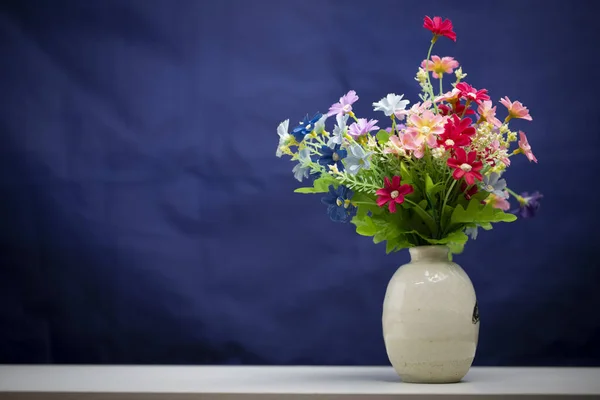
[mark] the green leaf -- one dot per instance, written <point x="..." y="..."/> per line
<point x="382" y="136"/>
<point x="453" y="237"/>
<point x="397" y="243"/>
<point x="320" y="185"/>
<point x="364" y="226"/>
<point x="426" y="217"/>
<point x="477" y="213"/>
<point x="431" y="189"/>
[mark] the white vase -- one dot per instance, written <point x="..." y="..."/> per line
<point x="430" y="318"/>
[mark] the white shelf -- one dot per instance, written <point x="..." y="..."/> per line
<point x="284" y="383"/>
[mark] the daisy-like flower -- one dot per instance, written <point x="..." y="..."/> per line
<point x="525" y="147"/>
<point x="338" y="131"/>
<point x="305" y="127"/>
<point x="420" y="108"/>
<point x="333" y="156"/>
<point x="393" y="193"/>
<point x="439" y="27"/>
<point x="470" y="93"/>
<point x="339" y="207"/>
<point x="493" y="184"/>
<point x="515" y="109"/>
<point x="500" y="202"/>
<point x="465" y="165"/>
<point x="357" y="159"/>
<point x="457" y="108"/>
<point x="362" y="127"/>
<point x="284" y="136"/>
<point x="426" y="127"/>
<point x="392" y="104"/>
<point x="488" y="113"/>
<point x="394" y="146"/>
<point x="301" y="170"/>
<point x="344" y="106"/>
<point x="457" y="133"/>
<point x="528" y="204"/>
<point x="439" y="66"/>
<point x="409" y="142"/>
<point x="451" y="97"/>
<point x="320" y="125"/>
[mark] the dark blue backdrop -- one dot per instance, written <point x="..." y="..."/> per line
<point x="146" y="219"/>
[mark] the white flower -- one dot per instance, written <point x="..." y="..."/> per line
<point x="392" y="104"/>
<point x="338" y="131"/>
<point x="320" y="125"/>
<point x="284" y="136"/>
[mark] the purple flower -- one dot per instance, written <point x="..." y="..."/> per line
<point x="362" y="127"/>
<point x="528" y="204"/>
<point x="344" y="106"/>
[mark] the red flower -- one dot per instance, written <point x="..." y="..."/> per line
<point x="439" y="27"/>
<point x="468" y="191"/>
<point x="393" y="193"/>
<point x="465" y="166"/>
<point x="457" y="109"/>
<point x="457" y="133"/>
<point x="470" y="93"/>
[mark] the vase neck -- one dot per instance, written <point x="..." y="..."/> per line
<point x="429" y="253"/>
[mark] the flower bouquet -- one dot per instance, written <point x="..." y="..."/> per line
<point x="427" y="180"/>
<point x="431" y="175"/>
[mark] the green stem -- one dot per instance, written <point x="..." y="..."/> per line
<point x="517" y="196"/>
<point x="418" y="206"/>
<point x="448" y="195"/>
<point x="427" y="72"/>
<point x="441" y="87"/>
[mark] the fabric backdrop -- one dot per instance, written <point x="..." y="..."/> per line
<point x="146" y="219"/>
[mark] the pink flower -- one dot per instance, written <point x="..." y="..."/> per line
<point x="344" y="106"/>
<point x="451" y="96"/>
<point x="394" y="146"/>
<point x="439" y="66"/>
<point x="419" y="108"/>
<point x="470" y="93"/>
<point x="488" y="113"/>
<point x="362" y="127"/>
<point x="516" y="109"/>
<point x="409" y="142"/>
<point x="525" y="147"/>
<point x="393" y="193"/>
<point x="426" y="127"/>
<point x="439" y="27"/>
<point x="498" y="202"/>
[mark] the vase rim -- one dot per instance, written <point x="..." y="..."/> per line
<point x="430" y="252"/>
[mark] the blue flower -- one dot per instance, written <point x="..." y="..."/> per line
<point x="333" y="156"/>
<point x="357" y="159"/>
<point x="301" y="170"/>
<point x="472" y="232"/>
<point x="528" y="204"/>
<point x="306" y="126"/>
<point x="339" y="208"/>
<point x="493" y="184"/>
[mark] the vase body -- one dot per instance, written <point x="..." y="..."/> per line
<point x="430" y="318"/>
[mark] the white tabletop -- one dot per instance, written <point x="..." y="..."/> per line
<point x="284" y="383"/>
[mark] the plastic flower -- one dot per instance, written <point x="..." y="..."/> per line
<point x="498" y="201"/>
<point x="493" y="184"/>
<point x="392" y="104"/>
<point x="338" y="131"/>
<point x="357" y="159"/>
<point x="465" y="165"/>
<point x="284" y="136"/>
<point x="344" y="106"/>
<point x="394" y="146"/>
<point x="470" y="93"/>
<point x="393" y="193"/>
<point x="528" y="204"/>
<point x="472" y="231"/>
<point x="468" y="190"/>
<point x="451" y="97"/>
<point x="488" y="113"/>
<point x="516" y="109"/>
<point x="301" y="170"/>
<point x="439" y="66"/>
<point x="457" y="133"/>
<point x="305" y="127"/>
<point x="420" y="108"/>
<point x="409" y="142"/>
<point x="362" y="127"/>
<point x="439" y="27"/>
<point x="333" y="156"/>
<point x="457" y="108"/>
<point x="426" y="127"/>
<point x="525" y="147"/>
<point x="338" y="203"/>
<point x="319" y="127"/>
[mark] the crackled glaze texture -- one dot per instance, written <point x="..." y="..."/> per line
<point x="430" y="318"/>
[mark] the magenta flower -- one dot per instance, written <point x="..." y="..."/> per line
<point x="362" y="127"/>
<point x="516" y="109"/>
<point x="525" y="147"/>
<point x="344" y="106"/>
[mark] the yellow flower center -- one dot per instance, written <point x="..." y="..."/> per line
<point x="449" y="142"/>
<point x="466" y="167"/>
<point x="394" y="194"/>
<point x="489" y="188"/>
<point x="425" y="130"/>
<point x="335" y="157"/>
